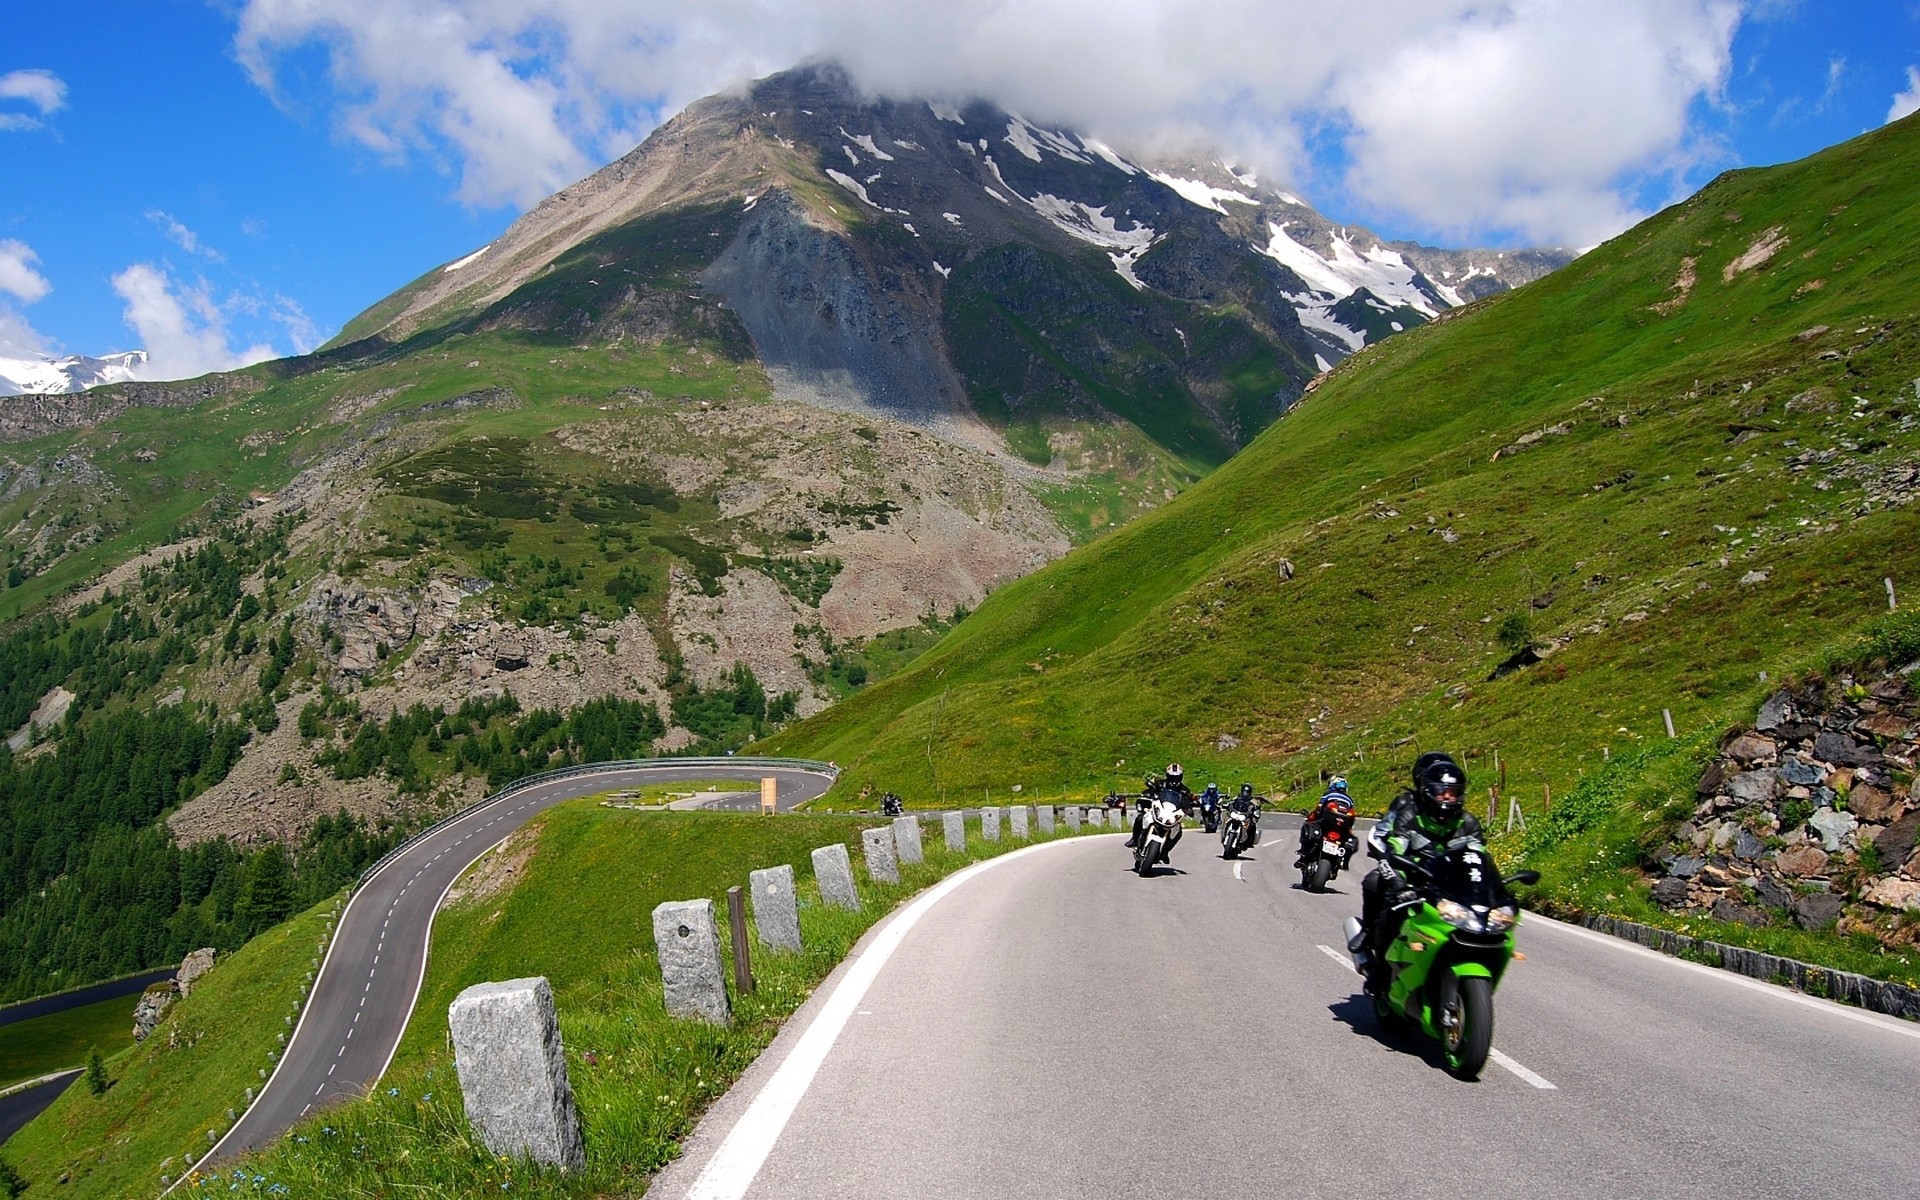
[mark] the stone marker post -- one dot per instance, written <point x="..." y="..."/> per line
<point x="906" y="839"/>
<point x="833" y="871"/>
<point x="513" y="1072"/>
<point x="955" y="825"/>
<point x="1045" y="813"/>
<point x="688" y="940"/>
<point x="1017" y="822"/>
<point x="1073" y="819"/>
<point x="883" y="864"/>
<point x="990" y="824"/>
<point x="776" y="916"/>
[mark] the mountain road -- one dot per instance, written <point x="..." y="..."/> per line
<point x="1054" y="1026"/>
<point x="365" y="989"/>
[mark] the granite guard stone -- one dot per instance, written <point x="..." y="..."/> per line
<point x="906" y="839"/>
<point x="776" y="911"/>
<point x="955" y="827"/>
<point x="1073" y="819"/>
<point x="1045" y="813"/>
<point x="833" y="871"/>
<point x="883" y="862"/>
<point x="513" y="1072"/>
<point x="688" y="939"/>
<point x="990" y="823"/>
<point x="1017" y="822"/>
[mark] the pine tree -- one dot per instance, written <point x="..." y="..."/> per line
<point x="97" y="1081"/>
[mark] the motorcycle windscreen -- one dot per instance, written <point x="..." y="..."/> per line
<point x="1470" y="877"/>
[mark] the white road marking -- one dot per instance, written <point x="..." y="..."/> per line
<point x="1345" y="960"/>
<point x="330" y="1069"/>
<point x="1521" y="1071"/>
<point x="1886" y="1024"/>
<point x="731" y="1170"/>
<point x="1237" y="874"/>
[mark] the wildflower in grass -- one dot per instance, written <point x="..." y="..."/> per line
<point x="393" y="1091"/>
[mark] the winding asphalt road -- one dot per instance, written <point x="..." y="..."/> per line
<point x="1054" y="1026"/>
<point x="366" y="988"/>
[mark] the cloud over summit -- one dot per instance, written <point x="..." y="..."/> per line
<point x="1547" y="120"/>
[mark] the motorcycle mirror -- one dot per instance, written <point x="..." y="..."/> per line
<point x="1524" y="877"/>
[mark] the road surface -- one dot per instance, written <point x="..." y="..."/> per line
<point x="1056" y="1027"/>
<point x="367" y="985"/>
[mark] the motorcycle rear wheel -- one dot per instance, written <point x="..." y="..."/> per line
<point x="1469" y="1040"/>
<point x="1317" y="872"/>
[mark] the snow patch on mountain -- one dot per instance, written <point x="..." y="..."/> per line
<point x="1114" y="160"/>
<point x="865" y="142"/>
<point x="27" y="373"/>
<point x="1377" y="269"/>
<point x="451" y="267"/>
<point x="946" y="112"/>
<point x="1193" y="191"/>
<point x="860" y="189"/>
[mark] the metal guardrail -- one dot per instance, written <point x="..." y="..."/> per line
<point x="605" y="768"/>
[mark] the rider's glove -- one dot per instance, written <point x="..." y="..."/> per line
<point x="1406" y="897"/>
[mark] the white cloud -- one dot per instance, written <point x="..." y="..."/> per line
<point x="41" y="89"/>
<point x="183" y="237"/>
<point x="1908" y="102"/>
<point x="1545" y="117"/>
<point x="182" y="329"/>
<point x="17" y="274"/>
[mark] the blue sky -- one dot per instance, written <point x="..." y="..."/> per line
<point x="223" y="181"/>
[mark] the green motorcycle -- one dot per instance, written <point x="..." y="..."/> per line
<point x="1452" y="949"/>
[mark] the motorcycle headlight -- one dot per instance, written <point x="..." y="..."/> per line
<point x="1458" y="915"/>
<point x="1501" y="919"/>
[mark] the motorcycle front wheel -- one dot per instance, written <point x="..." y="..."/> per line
<point x="1469" y="1037"/>
<point x="1229" y="845"/>
<point x="1143" y="856"/>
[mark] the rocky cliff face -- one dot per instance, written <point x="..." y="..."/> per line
<point x="1809" y="815"/>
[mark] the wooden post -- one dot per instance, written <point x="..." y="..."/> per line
<point x="769" y="795"/>
<point x="737" y="918"/>
<point x="1890" y="599"/>
<point x="1548" y="790"/>
<point x="1666" y="714"/>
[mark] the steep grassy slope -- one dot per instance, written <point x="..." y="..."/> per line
<point x="1685" y="460"/>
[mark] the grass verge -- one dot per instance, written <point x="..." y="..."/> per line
<point x="581" y="915"/>
<point x="60" y="1041"/>
<point x="170" y="1092"/>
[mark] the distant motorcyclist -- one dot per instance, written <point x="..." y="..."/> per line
<point x="1334" y="804"/>
<point x="1246" y="800"/>
<point x="1209" y="802"/>
<point x="1435" y="807"/>
<point x="1171" y="786"/>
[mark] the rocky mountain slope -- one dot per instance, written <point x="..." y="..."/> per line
<point x="785" y="392"/>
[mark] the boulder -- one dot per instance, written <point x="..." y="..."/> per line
<point x="1842" y="751"/>
<point x="1896" y="841"/>
<point x="1833" y="826"/>
<point x="1802" y="861"/>
<point x="1746" y="845"/>
<point x="1895" y="893"/>
<point x="1886" y="725"/>
<point x="1797" y="772"/>
<point x="1711" y="780"/>
<point x="1817" y="910"/>
<point x="1750" y="748"/>
<point x="152" y="1006"/>
<point x="192" y="967"/>
<point x="1755" y="787"/>
<point x="1734" y="912"/>
<point x="1670" y="893"/>
<point x="1874" y="804"/>
<point x="1776" y="710"/>
<point x="1771" y="892"/>
<point x="1685" y="867"/>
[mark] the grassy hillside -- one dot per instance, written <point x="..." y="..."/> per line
<point x="1684" y="461"/>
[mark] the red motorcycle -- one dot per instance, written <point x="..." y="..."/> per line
<point x="1331" y="852"/>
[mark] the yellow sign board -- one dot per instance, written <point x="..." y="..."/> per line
<point x="769" y="789"/>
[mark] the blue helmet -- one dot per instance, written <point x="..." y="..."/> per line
<point x="1337" y="784"/>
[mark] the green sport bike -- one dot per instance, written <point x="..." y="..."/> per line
<point x="1452" y="949"/>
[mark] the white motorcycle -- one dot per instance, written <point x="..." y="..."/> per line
<point x="1159" y="830"/>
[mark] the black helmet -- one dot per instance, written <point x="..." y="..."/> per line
<point x="1246" y="789"/>
<point x="1440" y="788"/>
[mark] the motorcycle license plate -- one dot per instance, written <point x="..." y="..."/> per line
<point x="1333" y="849"/>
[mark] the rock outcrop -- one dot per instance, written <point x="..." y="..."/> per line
<point x="157" y="999"/>
<point x="1808" y="816"/>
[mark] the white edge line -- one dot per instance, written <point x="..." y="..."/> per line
<point x="1877" y="1020"/>
<point x="1531" y="1077"/>
<point x="1536" y="1080"/>
<point x="733" y="1167"/>
<point x="334" y="941"/>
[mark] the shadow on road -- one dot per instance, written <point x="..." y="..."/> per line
<point x="1356" y="1013"/>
